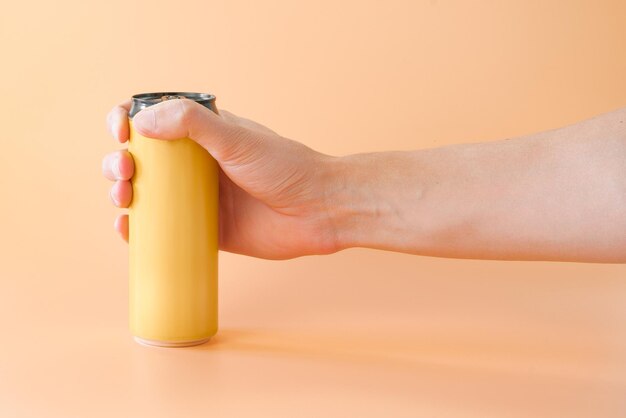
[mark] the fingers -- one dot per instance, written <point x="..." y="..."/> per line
<point x="228" y="116"/>
<point x="173" y="119"/>
<point x="121" y="226"/>
<point x="118" y="165"/>
<point x="180" y="118"/>
<point x="121" y="193"/>
<point x="117" y="121"/>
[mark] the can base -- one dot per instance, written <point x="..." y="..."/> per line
<point x="170" y="344"/>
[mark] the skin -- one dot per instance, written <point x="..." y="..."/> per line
<point x="557" y="195"/>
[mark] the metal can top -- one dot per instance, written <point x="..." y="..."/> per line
<point x="143" y="100"/>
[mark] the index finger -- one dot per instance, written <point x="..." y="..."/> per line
<point x="117" y="121"/>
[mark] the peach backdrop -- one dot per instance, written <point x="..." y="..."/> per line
<point x="359" y="333"/>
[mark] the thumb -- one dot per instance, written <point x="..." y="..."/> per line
<point x="184" y="118"/>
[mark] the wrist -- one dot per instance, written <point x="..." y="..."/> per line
<point x="352" y="201"/>
<point x="376" y="200"/>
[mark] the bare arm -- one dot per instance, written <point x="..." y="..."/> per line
<point x="557" y="195"/>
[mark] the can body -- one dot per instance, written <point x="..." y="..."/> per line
<point x="173" y="242"/>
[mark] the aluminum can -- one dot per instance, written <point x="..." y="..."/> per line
<point x="173" y="234"/>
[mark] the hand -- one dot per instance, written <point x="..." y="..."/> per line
<point x="556" y="195"/>
<point x="272" y="189"/>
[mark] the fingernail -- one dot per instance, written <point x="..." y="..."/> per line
<point x="116" y="223"/>
<point x="145" y="119"/>
<point x="115" y="167"/>
<point x="115" y="130"/>
<point x="112" y="194"/>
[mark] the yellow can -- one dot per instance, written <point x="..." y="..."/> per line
<point x="173" y="235"/>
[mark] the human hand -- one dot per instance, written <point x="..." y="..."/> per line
<point x="507" y="200"/>
<point x="272" y="189"/>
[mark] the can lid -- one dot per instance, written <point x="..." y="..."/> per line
<point x="143" y="100"/>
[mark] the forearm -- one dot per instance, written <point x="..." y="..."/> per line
<point x="557" y="195"/>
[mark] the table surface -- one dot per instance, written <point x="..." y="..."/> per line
<point x="360" y="333"/>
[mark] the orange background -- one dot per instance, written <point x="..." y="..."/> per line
<point x="359" y="333"/>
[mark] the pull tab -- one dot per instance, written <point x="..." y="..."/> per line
<point x="164" y="98"/>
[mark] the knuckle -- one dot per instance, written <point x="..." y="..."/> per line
<point x="239" y="144"/>
<point x="187" y="111"/>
